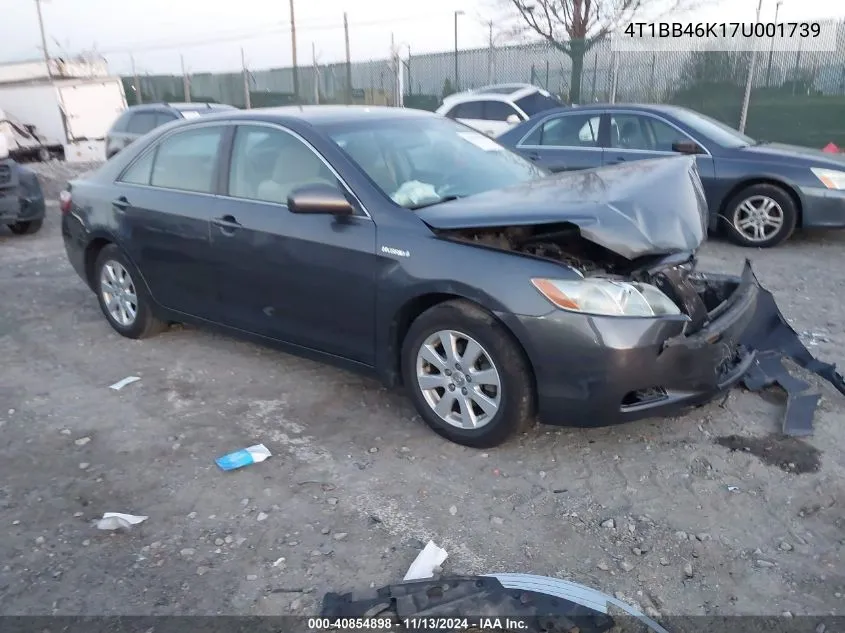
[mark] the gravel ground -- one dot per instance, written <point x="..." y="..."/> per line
<point x="661" y="512"/>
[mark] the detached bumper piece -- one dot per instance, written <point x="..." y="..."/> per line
<point x="503" y="602"/>
<point x="773" y="339"/>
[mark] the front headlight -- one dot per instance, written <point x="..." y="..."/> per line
<point x="606" y="297"/>
<point x="831" y="178"/>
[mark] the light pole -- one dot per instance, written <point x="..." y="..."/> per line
<point x="43" y="39"/>
<point x="772" y="49"/>
<point x="457" y="13"/>
<point x="747" y="97"/>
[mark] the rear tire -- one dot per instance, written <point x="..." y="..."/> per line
<point x="484" y="365"/>
<point x="26" y="228"/>
<point x="123" y="298"/>
<point x="768" y="207"/>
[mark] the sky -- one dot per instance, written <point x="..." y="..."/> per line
<point x="209" y="34"/>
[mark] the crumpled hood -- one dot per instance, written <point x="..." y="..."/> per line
<point x="647" y="207"/>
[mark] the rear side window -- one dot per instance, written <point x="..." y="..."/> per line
<point x="142" y="122"/>
<point x="163" y="118"/>
<point x="188" y="160"/>
<point x="468" y="110"/>
<point x="140" y="171"/>
<point x="497" y="111"/>
<point x="537" y="102"/>
<point x="120" y="124"/>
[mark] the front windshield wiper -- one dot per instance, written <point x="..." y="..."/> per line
<point x="423" y="205"/>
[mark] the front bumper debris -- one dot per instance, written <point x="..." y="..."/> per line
<point x="520" y="602"/>
<point x="773" y="339"/>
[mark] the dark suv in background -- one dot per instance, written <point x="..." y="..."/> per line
<point x="140" y="119"/>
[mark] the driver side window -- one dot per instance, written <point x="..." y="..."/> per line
<point x="268" y="164"/>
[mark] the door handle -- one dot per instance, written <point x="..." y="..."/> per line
<point x="533" y="156"/>
<point x="121" y="203"/>
<point x="618" y="159"/>
<point x="227" y="223"/>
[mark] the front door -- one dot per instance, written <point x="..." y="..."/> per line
<point x="309" y="280"/>
<point x="565" y="142"/>
<point x="163" y="205"/>
<point x="640" y="136"/>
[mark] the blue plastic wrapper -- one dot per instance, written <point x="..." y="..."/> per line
<point x="243" y="457"/>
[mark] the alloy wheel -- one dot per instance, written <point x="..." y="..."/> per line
<point x="758" y="218"/>
<point x="118" y="293"/>
<point x="458" y="379"/>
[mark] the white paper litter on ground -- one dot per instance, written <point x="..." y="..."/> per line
<point x="425" y="563"/>
<point x="117" y="520"/>
<point x="120" y="384"/>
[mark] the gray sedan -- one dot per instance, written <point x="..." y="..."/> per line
<point x="757" y="193"/>
<point x="406" y="245"/>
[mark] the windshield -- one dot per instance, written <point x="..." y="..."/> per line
<point x="715" y="130"/>
<point x="420" y="162"/>
<point x="537" y="102"/>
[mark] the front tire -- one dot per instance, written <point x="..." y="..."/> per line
<point x="469" y="380"/>
<point x="123" y="299"/>
<point x="760" y="216"/>
<point x="26" y="228"/>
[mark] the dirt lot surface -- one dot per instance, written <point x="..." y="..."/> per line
<point x="662" y="513"/>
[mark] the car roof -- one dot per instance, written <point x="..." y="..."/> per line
<point x="326" y="114"/>
<point x="181" y="107"/>
<point x="645" y="107"/>
<point x="500" y="92"/>
<point x="200" y="106"/>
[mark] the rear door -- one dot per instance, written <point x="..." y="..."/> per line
<point x="165" y="201"/>
<point x="565" y="142"/>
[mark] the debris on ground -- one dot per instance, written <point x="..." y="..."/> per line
<point x="771" y="336"/>
<point x="118" y="521"/>
<point x="424" y="565"/>
<point x="527" y="602"/>
<point x="120" y="384"/>
<point x="244" y="457"/>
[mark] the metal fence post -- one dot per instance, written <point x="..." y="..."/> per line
<point x="614" y="77"/>
<point x="746" y="98"/>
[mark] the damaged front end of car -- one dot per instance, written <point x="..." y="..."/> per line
<point x="629" y="236"/>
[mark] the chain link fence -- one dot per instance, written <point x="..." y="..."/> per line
<point x="797" y="96"/>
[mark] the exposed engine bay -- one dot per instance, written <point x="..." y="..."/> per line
<point x="561" y="243"/>
<point x="696" y="295"/>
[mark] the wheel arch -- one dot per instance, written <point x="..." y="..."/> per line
<point x="763" y="180"/>
<point x="93" y="249"/>
<point x="413" y="308"/>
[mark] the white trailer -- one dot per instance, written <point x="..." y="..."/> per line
<point x="71" y="116"/>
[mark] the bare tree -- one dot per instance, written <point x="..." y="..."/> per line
<point x="575" y="26"/>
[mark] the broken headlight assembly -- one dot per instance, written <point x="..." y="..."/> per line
<point x="607" y="297"/>
<point x="831" y="178"/>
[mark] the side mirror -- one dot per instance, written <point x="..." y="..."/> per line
<point x="513" y="119"/>
<point x="319" y="198"/>
<point x="687" y="147"/>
